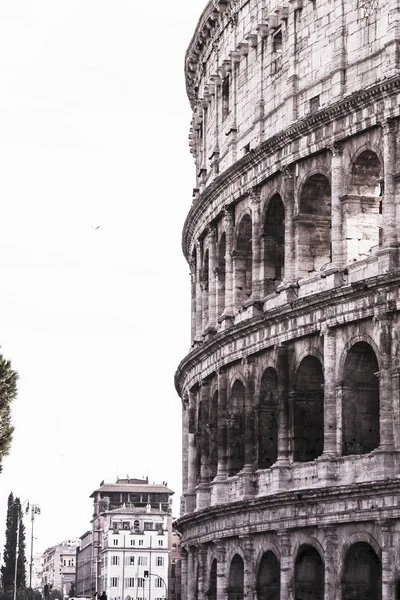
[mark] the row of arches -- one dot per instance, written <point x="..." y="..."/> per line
<point x="360" y="419"/>
<point x="361" y="577"/>
<point x="361" y="232"/>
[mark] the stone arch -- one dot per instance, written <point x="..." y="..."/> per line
<point x="236" y="438"/>
<point x="360" y="401"/>
<point x="313" y="224"/>
<point x="268" y="419"/>
<point x="309" y="574"/>
<point x="212" y="587"/>
<point x="362" y="206"/>
<point x="362" y="573"/>
<point x="359" y="337"/>
<point x="243" y="260"/>
<point x="273" y="243"/>
<point x="236" y="578"/>
<point x="268" y="577"/>
<point x="213" y="426"/>
<point x="308" y="410"/>
<point x="221" y="274"/>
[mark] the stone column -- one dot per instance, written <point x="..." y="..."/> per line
<point x="255" y="197"/>
<point x="219" y="484"/>
<point x="286" y="565"/>
<point x="199" y="307"/>
<point x="388" y="206"/>
<point x="190" y="493"/>
<point x="330" y="424"/>
<point x="385" y="384"/>
<point x="202" y="554"/>
<point x="331" y="564"/>
<point x="283" y="405"/>
<point x="336" y="206"/>
<point x="290" y="251"/>
<point x="228" y="218"/>
<point x="203" y="489"/>
<point x="192" y="265"/>
<point x="249" y="577"/>
<point x="247" y="473"/>
<point x="185" y="447"/>
<point x="184" y="573"/>
<point x="192" y="591"/>
<point x="222" y="575"/>
<point x="212" y="283"/>
<point x="396" y="406"/>
<point x="388" y="561"/>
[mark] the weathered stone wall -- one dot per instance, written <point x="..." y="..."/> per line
<point x="291" y="388"/>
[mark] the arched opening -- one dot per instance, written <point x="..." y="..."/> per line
<point x="243" y="262"/>
<point x="221" y="275"/>
<point x="212" y="590"/>
<point x="236" y="428"/>
<point x="309" y="574"/>
<point x="362" y="574"/>
<point x="360" y="401"/>
<point x="308" y="411"/>
<point x="274" y="244"/>
<point x="236" y="579"/>
<point x="205" y="277"/>
<point x="313" y="233"/>
<point x="213" y="421"/>
<point x="268" y="420"/>
<point x="362" y="207"/>
<point x="269" y="578"/>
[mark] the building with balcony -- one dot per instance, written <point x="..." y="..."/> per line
<point x="84" y="561"/>
<point x="290" y="390"/>
<point x="59" y="566"/>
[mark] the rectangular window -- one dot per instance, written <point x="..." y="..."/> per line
<point x="148" y="526"/>
<point x="159" y="582"/>
<point x="114" y="582"/>
<point x="130" y="561"/>
<point x="125" y="525"/>
<point x="225" y="97"/>
<point x="132" y="542"/>
<point x="130" y="582"/>
<point x="314" y="104"/>
<point x="140" y="582"/>
<point x="115" y="561"/>
<point x="159" y="561"/>
<point x="161" y="542"/>
<point x="115" y="542"/>
<point x="140" y="542"/>
<point x="142" y="561"/>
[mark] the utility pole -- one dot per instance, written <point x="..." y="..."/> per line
<point x="35" y="510"/>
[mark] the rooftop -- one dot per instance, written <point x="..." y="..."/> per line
<point x="132" y="485"/>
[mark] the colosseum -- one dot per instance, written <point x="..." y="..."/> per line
<point x="291" y="388"/>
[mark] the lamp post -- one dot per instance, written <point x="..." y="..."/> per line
<point x="35" y="510"/>
<point x="162" y="579"/>
<point x="19" y="519"/>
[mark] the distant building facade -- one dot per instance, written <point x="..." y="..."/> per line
<point x="59" y="566"/>
<point x="84" y="552"/>
<point x="127" y="501"/>
<point x="37" y="571"/>
<point x="175" y="567"/>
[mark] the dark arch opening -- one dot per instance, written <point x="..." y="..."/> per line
<point x="313" y="236"/>
<point x="243" y="260"/>
<point x="236" y="428"/>
<point x="309" y="574"/>
<point x="274" y="244"/>
<point x="212" y="592"/>
<point x="360" y="401"/>
<point x="221" y="275"/>
<point x="363" y="207"/>
<point x="308" y="411"/>
<point x="362" y="574"/>
<point x="268" y="420"/>
<point x="213" y="421"/>
<point x="236" y="579"/>
<point x="269" y="578"/>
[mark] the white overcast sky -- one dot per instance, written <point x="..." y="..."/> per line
<point x="94" y="121"/>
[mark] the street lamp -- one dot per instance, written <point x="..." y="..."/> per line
<point x="149" y="575"/>
<point x="35" y="510"/>
<point x="19" y="519"/>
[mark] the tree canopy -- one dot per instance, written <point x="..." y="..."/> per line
<point x="8" y="392"/>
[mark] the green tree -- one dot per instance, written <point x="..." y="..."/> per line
<point x="21" y="576"/>
<point x="10" y="547"/>
<point x="8" y="392"/>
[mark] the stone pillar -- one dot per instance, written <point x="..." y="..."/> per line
<point x="256" y="244"/>
<point x="212" y="283"/>
<point x="202" y="554"/>
<point x="185" y="446"/>
<point x="249" y="576"/>
<point x="190" y="492"/>
<point x="385" y="384"/>
<point x="286" y="565"/>
<point x="396" y="406"/>
<point x="192" y="265"/>
<point x="184" y="573"/>
<point x="388" y="561"/>
<point x="222" y="575"/>
<point x="192" y="583"/>
<point x="199" y="307"/>
<point x="247" y="473"/>
<point x="203" y="489"/>
<point x="288" y="192"/>
<point x="330" y="424"/>
<point x="331" y="564"/>
<point x="388" y="206"/>
<point x="219" y="484"/>
<point x="228" y="218"/>
<point x="336" y="206"/>
<point x="283" y="405"/>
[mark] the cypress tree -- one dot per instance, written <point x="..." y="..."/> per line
<point x="21" y="575"/>
<point x="8" y="392"/>
<point x="7" y="569"/>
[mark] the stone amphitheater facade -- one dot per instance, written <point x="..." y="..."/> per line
<point x="291" y="388"/>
